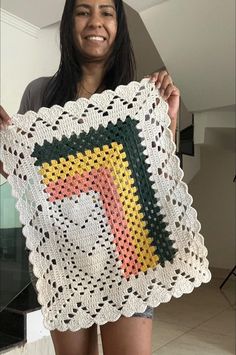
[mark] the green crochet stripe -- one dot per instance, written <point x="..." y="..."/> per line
<point x="126" y="134"/>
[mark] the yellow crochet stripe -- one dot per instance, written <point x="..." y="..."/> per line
<point x="112" y="158"/>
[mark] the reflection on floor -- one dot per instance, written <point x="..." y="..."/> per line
<point x="14" y="274"/>
<point x="17" y="296"/>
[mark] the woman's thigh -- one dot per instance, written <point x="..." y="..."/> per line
<point x="82" y="342"/>
<point x="127" y="336"/>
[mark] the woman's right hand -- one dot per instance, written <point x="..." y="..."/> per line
<point x="5" y="119"/>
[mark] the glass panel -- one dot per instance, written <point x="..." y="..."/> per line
<point x="14" y="274"/>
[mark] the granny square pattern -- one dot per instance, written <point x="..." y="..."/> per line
<point x="107" y="218"/>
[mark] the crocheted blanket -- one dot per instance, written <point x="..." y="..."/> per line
<point x="106" y="215"/>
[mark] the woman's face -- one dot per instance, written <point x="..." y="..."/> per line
<point x="95" y="28"/>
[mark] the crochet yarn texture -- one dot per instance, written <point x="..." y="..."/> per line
<point x="106" y="216"/>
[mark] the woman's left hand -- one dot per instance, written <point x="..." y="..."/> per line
<point x="169" y="92"/>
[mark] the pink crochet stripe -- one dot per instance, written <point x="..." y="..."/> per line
<point x="101" y="181"/>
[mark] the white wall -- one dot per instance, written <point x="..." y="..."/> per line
<point x="25" y="57"/>
<point x="212" y="187"/>
<point x="147" y="57"/>
<point x="26" y="53"/>
<point x="196" y="40"/>
<point x="213" y="192"/>
<point x="224" y="117"/>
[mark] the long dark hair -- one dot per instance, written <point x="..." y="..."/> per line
<point x="120" y="69"/>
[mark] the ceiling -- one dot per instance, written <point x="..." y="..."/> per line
<point x="38" y="13"/>
<point x="41" y="15"/>
<point x="141" y="5"/>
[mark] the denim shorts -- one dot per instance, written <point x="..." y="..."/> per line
<point x="148" y="313"/>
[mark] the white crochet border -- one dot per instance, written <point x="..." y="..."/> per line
<point x="147" y="94"/>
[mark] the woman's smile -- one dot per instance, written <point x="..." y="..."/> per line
<point x="95" y="28"/>
<point x="95" y="38"/>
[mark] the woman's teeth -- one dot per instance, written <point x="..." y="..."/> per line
<point x="95" y="38"/>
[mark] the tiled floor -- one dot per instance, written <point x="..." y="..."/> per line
<point x="202" y="322"/>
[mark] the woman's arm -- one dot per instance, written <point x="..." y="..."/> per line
<point x="2" y="172"/>
<point x="5" y="121"/>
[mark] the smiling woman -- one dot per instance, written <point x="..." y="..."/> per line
<point x="96" y="51"/>
<point x="95" y="29"/>
<point x="96" y="54"/>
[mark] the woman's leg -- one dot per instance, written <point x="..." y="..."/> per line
<point x="127" y="336"/>
<point x="82" y="342"/>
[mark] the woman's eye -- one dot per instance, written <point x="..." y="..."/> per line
<point x="108" y="14"/>
<point x="82" y="13"/>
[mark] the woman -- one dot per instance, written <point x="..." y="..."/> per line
<point x="96" y="54"/>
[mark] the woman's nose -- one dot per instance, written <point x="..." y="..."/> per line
<point x="95" y="20"/>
